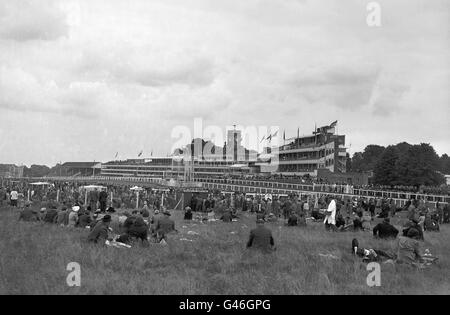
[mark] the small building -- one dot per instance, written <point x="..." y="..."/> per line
<point x="447" y="179"/>
<point x="79" y="169"/>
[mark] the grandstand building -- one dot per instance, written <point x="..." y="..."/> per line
<point x="303" y="155"/>
<point x="324" y="149"/>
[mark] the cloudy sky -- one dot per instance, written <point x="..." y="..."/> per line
<point x="82" y="80"/>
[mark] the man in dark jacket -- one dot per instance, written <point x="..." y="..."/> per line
<point x="84" y="219"/>
<point x="139" y="230"/>
<point x="129" y="221"/>
<point x="227" y="216"/>
<point x="50" y="215"/>
<point x="99" y="234"/>
<point x="414" y="224"/>
<point x="29" y="215"/>
<point x="188" y="214"/>
<point x="102" y="198"/>
<point x="261" y="238"/>
<point x="293" y="219"/>
<point x="164" y="226"/>
<point x="385" y="230"/>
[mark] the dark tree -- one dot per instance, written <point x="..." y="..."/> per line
<point x="366" y="160"/>
<point x="385" y="170"/>
<point x="419" y="165"/>
<point x="445" y="164"/>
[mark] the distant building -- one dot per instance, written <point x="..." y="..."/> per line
<point x="447" y="179"/>
<point x="78" y="169"/>
<point x="305" y="155"/>
<point x="11" y="171"/>
<point x="200" y="158"/>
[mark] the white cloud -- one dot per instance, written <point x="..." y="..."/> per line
<point x="128" y="71"/>
<point x="25" y="20"/>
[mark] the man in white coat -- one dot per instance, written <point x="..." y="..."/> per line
<point x="330" y="218"/>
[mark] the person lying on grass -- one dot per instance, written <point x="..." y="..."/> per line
<point x="409" y="248"/>
<point x="370" y="254"/>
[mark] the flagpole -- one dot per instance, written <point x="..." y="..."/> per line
<point x="315" y="133"/>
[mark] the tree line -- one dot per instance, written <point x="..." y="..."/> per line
<point x="402" y="164"/>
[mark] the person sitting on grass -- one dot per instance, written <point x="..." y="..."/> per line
<point x="413" y="224"/>
<point x="385" y="230"/>
<point x="293" y="219"/>
<point x="130" y="220"/>
<point x="227" y="216"/>
<point x="99" y="234"/>
<point x="51" y="214"/>
<point x="366" y="221"/>
<point x="340" y="221"/>
<point x="261" y="238"/>
<point x="431" y="224"/>
<point x="164" y="226"/>
<point x="139" y="231"/>
<point x="84" y="219"/>
<point x="62" y="218"/>
<point x="409" y="251"/>
<point x="28" y="214"/>
<point x="272" y="217"/>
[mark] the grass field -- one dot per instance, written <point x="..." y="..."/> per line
<point x="34" y="256"/>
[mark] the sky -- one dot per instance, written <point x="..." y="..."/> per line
<point x="81" y="80"/>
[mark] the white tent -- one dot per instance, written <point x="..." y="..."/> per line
<point x="41" y="184"/>
<point x="136" y="188"/>
<point x="94" y="187"/>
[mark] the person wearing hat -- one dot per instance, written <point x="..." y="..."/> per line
<point x="139" y="230"/>
<point x="42" y="214"/>
<point x="227" y="216"/>
<point x="84" y="219"/>
<point x="414" y="224"/>
<point x="50" y="214"/>
<point x="261" y="238"/>
<point x="409" y="251"/>
<point x="99" y="234"/>
<point x="385" y="230"/>
<point x="188" y="213"/>
<point x="73" y="216"/>
<point x="164" y="226"/>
